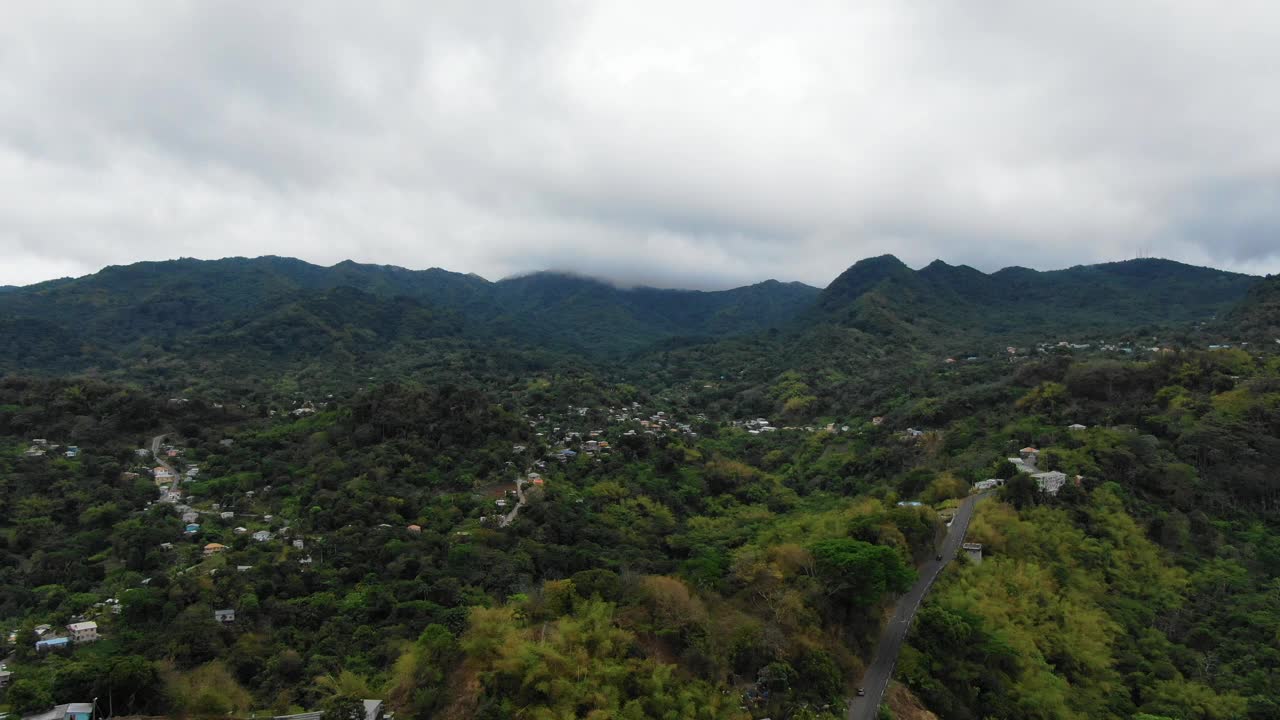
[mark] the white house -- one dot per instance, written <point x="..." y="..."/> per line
<point x="1050" y="482"/>
<point x="262" y="536"/>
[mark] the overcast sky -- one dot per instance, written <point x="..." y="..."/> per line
<point x="697" y="144"/>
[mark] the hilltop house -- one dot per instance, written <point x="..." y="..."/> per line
<point x="261" y="536"/>
<point x="83" y="632"/>
<point x="1076" y="427"/>
<point x="213" y="548"/>
<point x="163" y="475"/>
<point x="1029" y="454"/>
<point x="226" y="617"/>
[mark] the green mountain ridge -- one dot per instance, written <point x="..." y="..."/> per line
<point x="884" y="296"/>
<point x="276" y="308"/>
<point x="127" y="306"/>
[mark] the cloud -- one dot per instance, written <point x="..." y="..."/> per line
<point x="705" y="144"/>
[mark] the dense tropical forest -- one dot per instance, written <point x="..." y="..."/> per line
<point x="276" y="487"/>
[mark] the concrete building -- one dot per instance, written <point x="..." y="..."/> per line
<point x="1050" y="482"/>
<point x="973" y="552"/>
<point x="83" y="632"/>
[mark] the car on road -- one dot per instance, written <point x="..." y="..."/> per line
<point x="861" y="692"/>
<point x="939" y="556"/>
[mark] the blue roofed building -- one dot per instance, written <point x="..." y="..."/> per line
<point x="68" y="711"/>
<point x="53" y="644"/>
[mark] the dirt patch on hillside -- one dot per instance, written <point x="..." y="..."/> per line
<point x="906" y="706"/>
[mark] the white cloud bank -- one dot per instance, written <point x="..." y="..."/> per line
<point x="691" y="144"/>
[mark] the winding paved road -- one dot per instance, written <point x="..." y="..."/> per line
<point x="876" y="678"/>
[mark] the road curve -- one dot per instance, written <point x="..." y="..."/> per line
<point x="876" y="679"/>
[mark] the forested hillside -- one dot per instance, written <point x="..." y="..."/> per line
<point x="189" y="314"/>
<point x="884" y="296"/>
<point x="710" y="519"/>
<point x="1258" y="314"/>
<point x="169" y="311"/>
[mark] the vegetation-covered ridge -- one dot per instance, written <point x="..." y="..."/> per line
<point x="883" y="296"/>
<point x="221" y="307"/>
<point x="156" y="320"/>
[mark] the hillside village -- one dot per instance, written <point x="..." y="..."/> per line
<point x="227" y="525"/>
<point x="233" y="524"/>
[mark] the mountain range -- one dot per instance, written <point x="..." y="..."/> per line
<point x="285" y="309"/>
